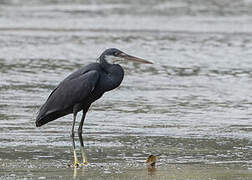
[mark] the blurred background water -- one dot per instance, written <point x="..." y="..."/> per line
<point x="192" y="107"/>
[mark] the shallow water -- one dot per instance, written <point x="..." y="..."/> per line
<point x="192" y="107"/>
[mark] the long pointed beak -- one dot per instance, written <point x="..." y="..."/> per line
<point x="133" y="58"/>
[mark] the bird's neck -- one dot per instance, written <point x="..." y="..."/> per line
<point x="104" y="64"/>
<point x="114" y="74"/>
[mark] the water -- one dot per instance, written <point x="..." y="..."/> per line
<point x="192" y="107"/>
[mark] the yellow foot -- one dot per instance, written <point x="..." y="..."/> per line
<point x="84" y="163"/>
<point x="84" y="158"/>
<point x="77" y="164"/>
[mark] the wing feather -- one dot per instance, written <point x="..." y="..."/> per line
<point x="70" y="92"/>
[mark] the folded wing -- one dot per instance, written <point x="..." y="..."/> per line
<point x="69" y="93"/>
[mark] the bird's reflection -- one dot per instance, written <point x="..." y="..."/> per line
<point x="75" y="173"/>
<point x="78" y="172"/>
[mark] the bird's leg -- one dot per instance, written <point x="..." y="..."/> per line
<point x="84" y="158"/>
<point x="81" y="139"/>
<point x="76" y="163"/>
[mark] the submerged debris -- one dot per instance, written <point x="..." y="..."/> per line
<point x="151" y="161"/>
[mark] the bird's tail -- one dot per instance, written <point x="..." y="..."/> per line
<point x="45" y="116"/>
<point x="42" y="120"/>
<point x="48" y="117"/>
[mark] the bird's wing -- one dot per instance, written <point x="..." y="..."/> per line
<point x="68" y="93"/>
<point x="77" y="74"/>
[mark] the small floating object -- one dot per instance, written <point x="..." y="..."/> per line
<point x="151" y="161"/>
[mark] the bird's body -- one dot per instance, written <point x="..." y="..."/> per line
<point x="81" y="88"/>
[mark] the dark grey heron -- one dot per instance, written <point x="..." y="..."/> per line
<point x="81" y="88"/>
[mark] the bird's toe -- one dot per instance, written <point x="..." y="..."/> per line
<point x="77" y="165"/>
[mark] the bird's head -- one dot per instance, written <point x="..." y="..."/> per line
<point x="114" y="55"/>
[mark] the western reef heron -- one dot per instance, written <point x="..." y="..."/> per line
<point x="81" y="88"/>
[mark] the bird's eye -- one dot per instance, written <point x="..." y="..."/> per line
<point x="116" y="53"/>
